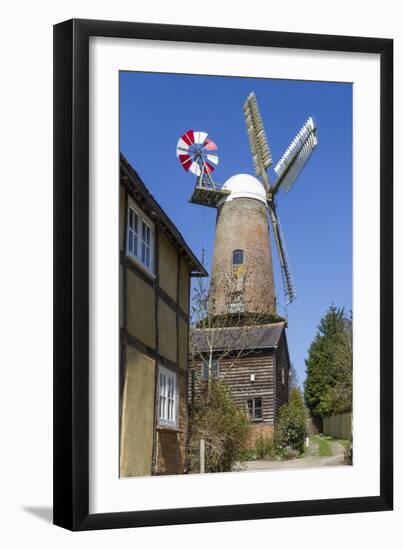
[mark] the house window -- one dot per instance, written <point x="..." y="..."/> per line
<point x="133" y="233"/>
<point x="167" y="397"/>
<point x="214" y="370"/>
<point x="146" y="244"/>
<point x="283" y="374"/>
<point x="254" y="407"/>
<point x="237" y="257"/>
<point x="140" y="242"/>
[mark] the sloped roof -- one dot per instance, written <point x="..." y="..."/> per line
<point x="138" y="189"/>
<point x="237" y="338"/>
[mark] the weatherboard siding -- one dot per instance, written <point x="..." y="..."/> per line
<point x="236" y="373"/>
<point x="282" y="363"/>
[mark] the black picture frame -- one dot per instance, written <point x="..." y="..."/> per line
<point x="71" y="274"/>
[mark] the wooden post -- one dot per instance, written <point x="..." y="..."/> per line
<point x="202" y="456"/>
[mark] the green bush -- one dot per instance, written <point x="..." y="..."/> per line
<point x="291" y="425"/>
<point x="223" y="426"/>
<point x="248" y="454"/>
<point x="265" y="447"/>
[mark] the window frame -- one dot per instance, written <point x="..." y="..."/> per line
<point x="164" y="420"/>
<point x="253" y="399"/>
<point x="237" y="250"/>
<point x="215" y="361"/>
<point x="143" y="220"/>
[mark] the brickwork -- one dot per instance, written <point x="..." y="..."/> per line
<point x="242" y="225"/>
<point x="260" y="429"/>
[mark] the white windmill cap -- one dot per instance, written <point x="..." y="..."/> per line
<point x="245" y="186"/>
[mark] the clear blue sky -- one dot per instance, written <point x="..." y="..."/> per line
<point x="316" y="215"/>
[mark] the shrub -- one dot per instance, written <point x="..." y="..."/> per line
<point x="289" y="454"/>
<point x="265" y="447"/>
<point x="223" y="426"/>
<point x="291" y="426"/>
<point x="248" y="454"/>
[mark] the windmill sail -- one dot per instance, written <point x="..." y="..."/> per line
<point x="288" y="281"/>
<point x="296" y="156"/>
<point x="261" y="154"/>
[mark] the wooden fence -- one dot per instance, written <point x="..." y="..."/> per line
<point x="339" y="425"/>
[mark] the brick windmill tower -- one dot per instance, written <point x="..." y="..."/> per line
<point x="244" y="340"/>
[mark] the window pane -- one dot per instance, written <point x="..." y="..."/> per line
<point x="162" y="384"/>
<point x="131" y="242"/>
<point x="258" y="402"/>
<point x="258" y="413"/>
<point x="136" y="223"/>
<point x="135" y="245"/>
<point x="167" y="397"/>
<point x="131" y="217"/>
<point x="237" y="257"/>
<point x="214" y="368"/>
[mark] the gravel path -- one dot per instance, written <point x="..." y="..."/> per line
<point x="307" y="461"/>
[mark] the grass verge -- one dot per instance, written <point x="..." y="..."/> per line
<point x="324" y="447"/>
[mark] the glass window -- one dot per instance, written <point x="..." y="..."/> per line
<point x="167" y="397"/>
<point x="140" y="243"/>
<point x="237" y="257"/>
<point x="146" y="244"/>
<point x="214" y="370"/>
<point x="133" y="232"/>
<point x="254" y="407"/>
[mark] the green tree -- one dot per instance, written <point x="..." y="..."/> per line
<point x="291" y="425"/>
<point x="328" y="383"/>
<point x="223" y="426"/>
<point x="341" y="393"/>
<point x="293" y="380"/>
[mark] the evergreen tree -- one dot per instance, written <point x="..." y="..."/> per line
<point x="328" y="383"/>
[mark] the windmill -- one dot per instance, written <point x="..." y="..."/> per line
<point x="194" y="152"/>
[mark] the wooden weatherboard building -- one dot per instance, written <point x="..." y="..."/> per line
<point x="156" y="267"/>
<point x="253" y="362"/>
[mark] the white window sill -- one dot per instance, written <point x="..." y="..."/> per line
<point x="140" y="265"/>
